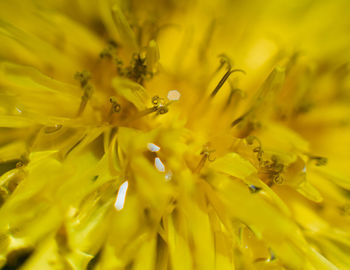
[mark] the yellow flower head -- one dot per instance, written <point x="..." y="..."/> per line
<point x="174" y="134"/>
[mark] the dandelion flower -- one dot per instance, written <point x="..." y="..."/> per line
<point x="174" y="134"/>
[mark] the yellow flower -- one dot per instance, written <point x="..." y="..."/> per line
<point x="174" y="134"/>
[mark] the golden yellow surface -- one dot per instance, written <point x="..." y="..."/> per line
<point x="174" y="134"/>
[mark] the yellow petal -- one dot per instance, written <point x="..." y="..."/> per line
<point x="131" y="91"/>
<point x="233" y="164"/>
